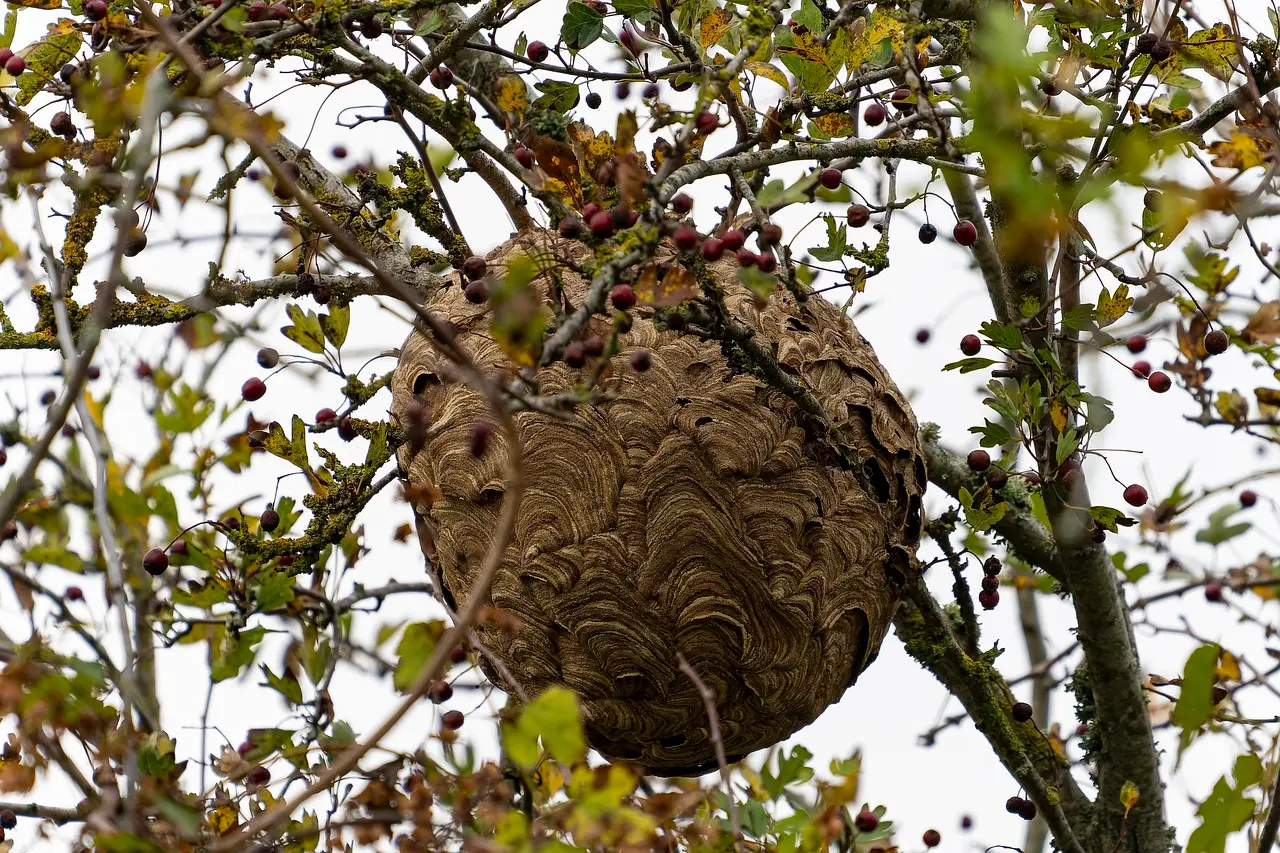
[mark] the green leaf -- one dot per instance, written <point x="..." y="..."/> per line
<point x="837" y="239"/>
<point x="231" y="653"/>
<point x="187" y="410"/>
<point x="640" y="10"/>
<point x="981" y="511"/>
<point x="809" y="15"/>
<point x="776" y="193"/>
<point x="44" y="59"/>
<point x="286" y="685"/>
<point x="274" y="589"/>
<point x="305" y="330"/>
<point x="582" y="25"/>
<point x="1030" y="306"/>
<point x="557" y="96"/>
<point x="291" y="449"/>
<point x="415" y="646"/>
<point x="993" y="434"/>
<point x="805" y="58"/>
<point x="1098" y="412"/>
<point x="1110" y="518"/>
<point x="335" y="323"/>
<point x="969" y="365"/>
<point x="1219" y="529"/>
<point x="554" y="717"/>
<point x="1002" y="336"/>
<point x="1067" y="444"/>
<point x="1079" y="317"/>
<point x="430" y="23"/>
<point x="1226" y="810"/>
<point x="1194" y="707"/>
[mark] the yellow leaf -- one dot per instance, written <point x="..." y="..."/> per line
<point x="1213" y="49"/>
<point x="880" y="26"/>
<point x="627" y="127"/>
<point x="1228" y="668"/>
<point x="511" y="94"/>
<point x="675" y="287"/>
<point x="835" y="125"/>
<point x="1232" y="405"/>
<point x="223" y="819"/>
<point x="1113" y="307"/>
<point x="767" y="71"/>
<point x="1267" y="396"/>
<point x="558" y="161"/>
<point x="1058" y="414"/>
<point x="1128" y="796"/>
<point x="714" y="26"/>
<point x="1242" y="151"/>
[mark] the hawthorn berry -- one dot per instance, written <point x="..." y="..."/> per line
<point x="971" y="345"/>
<point x="990" y="582"/>
<point x="593" y="346"/>
<point x="440" y="692"/>
<point x="931" y="838"/>
<point x="966" y="823"/>
<point x="325" y="415"/>
<point x="733" y="239"/>
<point x="134" y="242"/>
<point x="989" y="598"/>
<point x="623" y="297"/>
<point x="574" y="355"/>
<point x="979" y="460"/>
<point x="650" y="92"/>
<point x="685" y="237"/>
<point x="928" y="233"/>
<point x="371" y="27"/>
<point x="5" y="55"/>
<point x="62" y="124"/>
<point x="524" y="156"/>
<point x="339" y="152"/>
<point x="706" y="122"/>
<point x="831" y="178"/>
<point x="866" y="821"/>
<point x="1142" y="369"/>
<point x="1216" y="342"/>
<point x="1159" y="382"/>
<point x="346" y="430"/>
<point x="1213" y="591"/>
<point x="622" y="91"/>
<point x="712" y="249"/>
<point x="452" y="720"/>
<point x="4" y="456"/>
<point x="537" y="51"/>
<point x="143" y="370"/>
<point x="1013" y="805"/>
<point x="965" y="233"/>
<point x="767" y="262"/>
<point x="270" y="519"/>
<point x="1161" y="50"/>
<point x="593" y="100"/>
<point x="901" y="99"/>
<point x="9" y="531"/>
<point x="478" y="438"/>
<point x="1145" y="43"/>
<point x="858" y="215"/>
<point x="73" y="593"/>
<point x="458" y="653"/>
<point x="1248" y="498"/>
<point x="681" y="204"/>
<point x="268" y="358"/>
<point x="922" y="336"/>
<point x="474" y="267"/>
<point x="1151" y="200"/>
<point x="875" y="115"/>
<point x="95" y="10"/>
<point x="441" y="77"/>
<point x="259" y="776"/>
<point x="747" y="258"/>
<point x="997" y="479"/>
<point x="770" y="235"/>
<point x="1021" y="712"/>
<point x="1027" y="809"/>
<point x="1136" y="343"/>
<point x="1135" y="495"/>
<point x="570" y="228"/>
<point x="48" y="398"/>
<point x="253" y="389"/>
<point x="155" y="562"/>
<point x="178" y="548"/>
<point x="601" y="225"/>
<point x="641" y="360"/>
<point x="992" y="566"/>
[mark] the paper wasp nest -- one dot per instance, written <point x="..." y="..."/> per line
<point x="689" y="514"/>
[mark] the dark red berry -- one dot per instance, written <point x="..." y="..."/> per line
<point x="770" y="235"/>
<point x="712" y="249"/>
<point x="858" y="215"/>
<point x="178" y="548"/>
<point x="270" y="519"/>
<point x="1142" y="369"/>
<point x="931" y="838"/>
<point x="965" y="233"/>
<point x="574" y="355"/>
<point x="966" y="823"/>
<point x="440" y="692"/>
<point x="371" y="27"/>
<point x="458" y="654"/>
<point x="325" y="415"/>
<point x="970" y="345"/>
<point x="682" y="204"/>
<point x="441" y="78"/>
<point x="593" y="100"/>
<point x="901" y="99"/>
<point x="478" y="439"/>
<point x="339" y="152"/>
<point x="623" y="297"/>
<point x="747" y="258"/>
<point x="571" y="228"/>
<point x="992" y="566"/>
<point x="733" y="240"/>
<point x="1145" y="43"/>
<point x="73" y="593"/>
<point x="1248" y="498"/>
<point x="134" y="242"/>
<point x="830" y="178"/>
<point x="49" y="397"/>
<point x="1135" y="495"/>
<point x="989" y="598"/>
<point x="155" y="562"/>
<point x="1136" y="343"/>
<point x="922" y="336"/>
<point x="1021" y="712"/>
<point x="1216" y="342"/>
<point x="259" y="776"/>
<point x="593" y="346"/>
<point x="268" y="358"/>
<point x="866" y="821"/>
<point x="537" y="51"/>
<point x="1162" y="50"/>
<point x="62" y="124"/>
<point x="1027" y="810"/>
<point x="95" y="10"/>
<point x="474" y="267"/>
<point x="601" y="225"/>
<point x="4" y="456"/>
<point x="990" y="582"/>
<point x="685" y="237"/>
<point x="641" y="360"/>
<point x="875" y="115"/>
<point x="346" y="430"/>
<point x="1213" y="591"/>
<point x="997" y="479"/>
<point x="1159" y="382"/>
<point x="322" y="294"/>
<point x="253" y="389"/>
<point x="650" y="92"/>
<point x="927" y="234"/>
<point x="524" y="156"/>
<point x="452" y="720"/>
<point x="767" y="262"/>
<point x="8" y="531"/>
<point x="979" y="460"/>
<point x="1013" y="805"/>
<point x="706" y="122"/>
<point x="5" y="55"/>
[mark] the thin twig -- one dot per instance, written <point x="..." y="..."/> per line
<point x="713" y="720"/>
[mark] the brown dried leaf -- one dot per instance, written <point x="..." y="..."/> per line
<point x="1264" y="326"/>
<point x="674" y="288"/>
<point x="630" y="178"/>
<point x="558" y="161"/>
